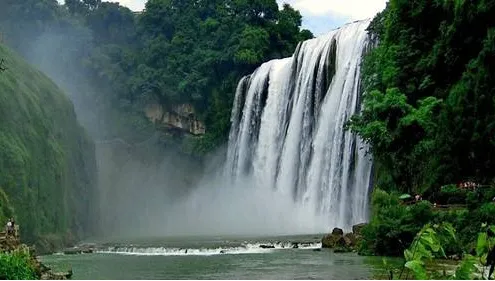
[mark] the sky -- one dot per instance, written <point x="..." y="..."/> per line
<point x="319" y="16"/>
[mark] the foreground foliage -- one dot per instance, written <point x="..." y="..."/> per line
<point x="430" y="243"/>
<point x="17" y="265"/>
<point x="394" y="224"/>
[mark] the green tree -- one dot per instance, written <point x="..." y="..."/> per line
<point x="196" y="52"/>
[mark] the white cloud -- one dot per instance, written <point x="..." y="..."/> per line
<point x="352" y="9"/>
<point x="135" y="5"/>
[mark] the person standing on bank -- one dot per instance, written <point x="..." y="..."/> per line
<point x="9" y="227"/>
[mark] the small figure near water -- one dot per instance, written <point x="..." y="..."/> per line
<point x="418" y="197"/>
<point x="9" y="228"/>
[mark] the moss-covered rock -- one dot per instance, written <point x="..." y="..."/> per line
<point x="47" y="162"/>
<point x="334" y="240"/>
<point x="358" y="229"/>
<point x="340" y="242"/>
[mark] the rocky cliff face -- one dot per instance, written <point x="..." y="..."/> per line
<point x="182" y="117"/>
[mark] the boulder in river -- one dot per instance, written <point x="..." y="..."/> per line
<point x="350" y="239"/>
<point x="267" y="247"/>
<point x="358" y="228"/>
<point x="57" y="275"/>
<point x="82" y="249"/>
<point x="337" y="231"/>
<point x="339" y="241"/>
<point x="333" y="240"/>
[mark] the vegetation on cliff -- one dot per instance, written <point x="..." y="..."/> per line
<point x="429" y="107"/>
<point x="47" y="164"/>
<point x="429" y="117"/>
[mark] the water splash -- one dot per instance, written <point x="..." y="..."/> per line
<point x="247" y="248"/>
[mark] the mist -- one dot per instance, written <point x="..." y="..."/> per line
<point x="149" y="188"/>
<point x="174" y="196"/>
<point x="218" y="206"/>
<point x="152" y="190"/>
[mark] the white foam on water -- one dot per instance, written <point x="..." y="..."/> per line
<point x="249" y="248"/>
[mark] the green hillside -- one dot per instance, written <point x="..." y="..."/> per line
<point x="47" y="163"/>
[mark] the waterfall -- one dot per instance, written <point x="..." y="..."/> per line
<point x="288" y="132"/>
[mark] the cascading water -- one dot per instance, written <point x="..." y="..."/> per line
<point x="288" y="129"/>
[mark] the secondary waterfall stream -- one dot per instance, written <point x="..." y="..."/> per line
<point x="288" y="131"/>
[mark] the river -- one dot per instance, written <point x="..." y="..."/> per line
<point x="216" y="258"/>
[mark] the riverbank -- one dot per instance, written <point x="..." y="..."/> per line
<point x="18" y="261"/>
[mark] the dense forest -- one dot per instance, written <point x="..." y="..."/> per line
<point x="429" y="117"/>
<point x="114" y="61"/>
<point x="429" y="107"/>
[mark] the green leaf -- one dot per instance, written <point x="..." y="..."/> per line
<point x="447" y="227"/>
<point x="418" y="268"/>
<point x="481" y="245"/>
<point x="466" y="269"/>
<point x="408" y="255"/>
<point x="492" y="228"/>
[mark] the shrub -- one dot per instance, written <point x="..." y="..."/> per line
<point x="393" y="225"/>
<point x="17" y="265"/>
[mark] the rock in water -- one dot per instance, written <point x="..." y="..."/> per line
<point x="340" y="242"/>
<point x="337" y="231"/>
<point x="57" y="276"/>
<point x="350" y="240"/>
<point x="358" y="228"/>
<point x="336" y="239"/>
